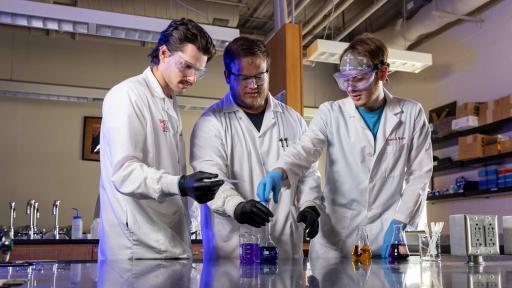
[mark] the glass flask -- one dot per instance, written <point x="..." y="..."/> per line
<point x="398" y="250"/>
<point x="268" y="249"/>
<point x="249" y="248"/>
<point x="361" y="251"/>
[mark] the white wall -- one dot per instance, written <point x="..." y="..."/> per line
<point x="472" y="62"/>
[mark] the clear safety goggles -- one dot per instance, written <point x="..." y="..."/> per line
<point x="259" y="79"/>
<point x="187" y="68"/>
<point x="355" y="81"/>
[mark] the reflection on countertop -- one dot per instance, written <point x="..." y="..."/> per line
<point x="451" y="272"/>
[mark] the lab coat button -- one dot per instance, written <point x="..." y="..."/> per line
<point x="369" y="154"/>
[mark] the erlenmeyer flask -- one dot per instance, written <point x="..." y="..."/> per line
<point x="268" y="249"/>
<point x="398" y="250"/>
<point x="361" y="250"/>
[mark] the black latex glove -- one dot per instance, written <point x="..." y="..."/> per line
<point x="253" y="213"/>
<point x="194" y="186"/>
<point x="309" y="216"/>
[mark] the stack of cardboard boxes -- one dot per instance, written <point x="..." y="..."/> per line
<point x="473" y="146"/>
<point x="479" y="145"/>
<point x="466" y="116"/>
<point x="495" y="110"/>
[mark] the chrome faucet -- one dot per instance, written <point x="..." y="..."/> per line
<point x="13" y="215"/>
<point x="31" y="211"/>
<point x="55" y="212"/>
<point x="36" y="216"/>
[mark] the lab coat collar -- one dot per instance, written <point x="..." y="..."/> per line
<point x="154" y="86"/>
<point x="230" y="105"/>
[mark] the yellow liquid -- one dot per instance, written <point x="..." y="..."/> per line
<point x="363" y="254"/>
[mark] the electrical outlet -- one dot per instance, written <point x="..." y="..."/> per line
<point x="476" y="229"/>
<point x="490" y="232"/>
<point x="479" y="233"/>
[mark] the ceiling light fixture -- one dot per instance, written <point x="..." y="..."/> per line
<point x="329" y="51"/>
<point x="95" y="22"/>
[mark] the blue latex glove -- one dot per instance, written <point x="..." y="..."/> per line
<point x="270" y="183"/>
<point x="388" y="237"/>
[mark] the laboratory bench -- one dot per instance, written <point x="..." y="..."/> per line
<point x="78" y="249"/>
<point x="450" y="272"/>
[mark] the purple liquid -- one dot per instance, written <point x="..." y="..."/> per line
<point x="249" y="253"/>
<point x="394" y="254"/>
<point x="268" y="254"/>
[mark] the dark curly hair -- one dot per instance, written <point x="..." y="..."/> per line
<point x="179" y="33"/>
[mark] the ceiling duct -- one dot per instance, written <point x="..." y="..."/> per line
<point x="429" y="18"/>
<point x="94" y="22"/>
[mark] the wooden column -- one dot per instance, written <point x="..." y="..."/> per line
<point x="285" y="48"/>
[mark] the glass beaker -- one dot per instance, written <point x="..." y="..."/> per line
<point x="268" y="249"/>
<point x="361" y="250"/>
<point x="398" y="250"/>
<point x="249" y="249"/>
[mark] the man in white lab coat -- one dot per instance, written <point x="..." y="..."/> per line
<point x="143" y="188"/>
<point x="240" y="137"/>
<point x="379" y="156"/>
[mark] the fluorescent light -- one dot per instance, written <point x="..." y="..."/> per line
<point x="95" y="22"/>
<point x="400" y="60"/>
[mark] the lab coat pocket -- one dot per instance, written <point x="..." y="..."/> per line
<point x="394" y="159"/>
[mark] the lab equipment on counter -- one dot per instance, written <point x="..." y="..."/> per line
<point x="55" y="213"/>
<point x="12" y="208"/>
<point x="5" y="248"/>
<point x="268" y="249"/>
<point x="77" y="226"/>
<point x="398" y="250"/>
<point x="361" y="251"/>
<point x="429" y="248"/>
<point x="433" y="246"/>
<point x="474" y="236"/>
<point x="249" y="248"/>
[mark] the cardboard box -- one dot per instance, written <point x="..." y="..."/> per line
<point x="465" y="123"/>
<point x="506" y="146"/>
<point x="503" y="108"/>
<point x="468" y="109"/>
<point x="486" y="113"/>
<point x="492" y="149"/>
<point x="472" y="146"/>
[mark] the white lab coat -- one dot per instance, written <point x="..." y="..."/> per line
<point x="224" y="141"/>
<point x="142" y="157"/>
<point x="364" y="187"/>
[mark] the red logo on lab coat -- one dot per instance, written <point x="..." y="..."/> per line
<point x="164" y="125"/>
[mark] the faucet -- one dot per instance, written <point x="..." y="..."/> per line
<point x="55" y="212"/>
<point x="30" y="211"/>
<point x="36" y="216"/>
<point x="13" y="215"/>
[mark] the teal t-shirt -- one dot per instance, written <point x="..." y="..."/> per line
<point x="372" y="119"/>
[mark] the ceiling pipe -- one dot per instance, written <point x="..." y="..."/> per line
<point x="312" y="22"/>
<point x="360" y="19"/>
<point x="299" y="7"/>
<point x="280" y="14"/>
<point x="319" y="27"/>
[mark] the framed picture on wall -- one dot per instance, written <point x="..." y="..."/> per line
<point x="91" y="139"/>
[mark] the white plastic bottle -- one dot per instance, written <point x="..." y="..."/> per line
<point x="77" y="226"/>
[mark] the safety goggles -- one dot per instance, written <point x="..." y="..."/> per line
<point x="186" y="67"/>
<point x="259" y="79"/>
<point x="356" y="72"/>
